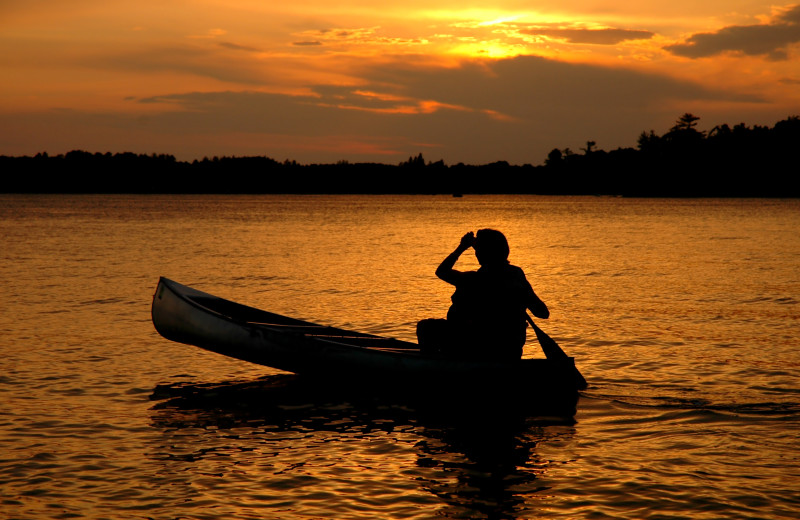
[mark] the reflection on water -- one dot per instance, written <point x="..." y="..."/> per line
<point x="682" y="314"/>
<point x="478" y="460"/>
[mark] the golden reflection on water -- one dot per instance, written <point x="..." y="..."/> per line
<point x="419" y="454"/>
<point x="682" y="315"/>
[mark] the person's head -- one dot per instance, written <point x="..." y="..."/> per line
<point x="491" y="247"/>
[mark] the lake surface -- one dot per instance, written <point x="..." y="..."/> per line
<point x="682" y="314"/>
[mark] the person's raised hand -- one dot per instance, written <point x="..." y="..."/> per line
<point x="467" y="241"/>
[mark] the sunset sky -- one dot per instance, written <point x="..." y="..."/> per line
<point x="322" y="81"/>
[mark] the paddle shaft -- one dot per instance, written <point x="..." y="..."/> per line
<point x="553" y="351"/>
<point x="549" y="346"/>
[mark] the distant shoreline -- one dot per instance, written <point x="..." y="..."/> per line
<point x="723" y="162"/>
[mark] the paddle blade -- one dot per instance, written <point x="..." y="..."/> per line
<point x="549" y="346"/>
<point x="553" y="351"/>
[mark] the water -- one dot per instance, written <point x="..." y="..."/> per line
<point x="682" y="314"/>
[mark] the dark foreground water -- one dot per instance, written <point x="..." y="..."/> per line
<point x="683" y="316"/>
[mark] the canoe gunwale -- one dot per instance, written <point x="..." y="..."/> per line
<point x="179" y="315"/>
<point x="276" y="334"/>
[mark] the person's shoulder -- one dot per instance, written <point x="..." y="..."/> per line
<point x="463" y="277"/>
<point x="517" y="274"/>
<point x="517" y="271"/>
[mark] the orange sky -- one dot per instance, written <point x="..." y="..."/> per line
<point x="367" y="81"/>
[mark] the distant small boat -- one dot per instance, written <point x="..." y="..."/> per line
<point x="189" y="316"/>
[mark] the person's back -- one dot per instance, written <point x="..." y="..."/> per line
<point x="487" y="317"/>
<point x="488" y="312"/>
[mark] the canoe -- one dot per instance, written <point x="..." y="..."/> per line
<point x="186" y="315"/>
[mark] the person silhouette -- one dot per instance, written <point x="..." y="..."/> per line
<point x="487" y="318"/>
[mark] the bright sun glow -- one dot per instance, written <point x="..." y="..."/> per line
<point x="493" y="50"/>
<point x="504" y="19"/>
<point x="185" y="77"/>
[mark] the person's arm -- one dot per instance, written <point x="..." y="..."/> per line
<point x="445" y="270"/>
<point x="533" y="302"/>
<point x="537" y="306"/>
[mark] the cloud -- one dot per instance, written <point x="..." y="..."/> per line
<point x="526" y="86"/>
<point x="237" y="47"/>
<point x="195" y="60"/>
<point x="515" y="109"/>
<point x="591" y="36"/>
<point x="358" y="36"/>
<point x="771" y="40"/>
<point x="378" y="102"/>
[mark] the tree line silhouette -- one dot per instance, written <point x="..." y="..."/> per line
<point x="741" y="161"/>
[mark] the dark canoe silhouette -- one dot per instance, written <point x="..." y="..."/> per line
<point x="189" y="316"/>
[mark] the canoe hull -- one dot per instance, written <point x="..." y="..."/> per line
<point x="186" y="315"/>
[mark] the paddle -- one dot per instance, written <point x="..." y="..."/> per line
<point x="553" y="351"/>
